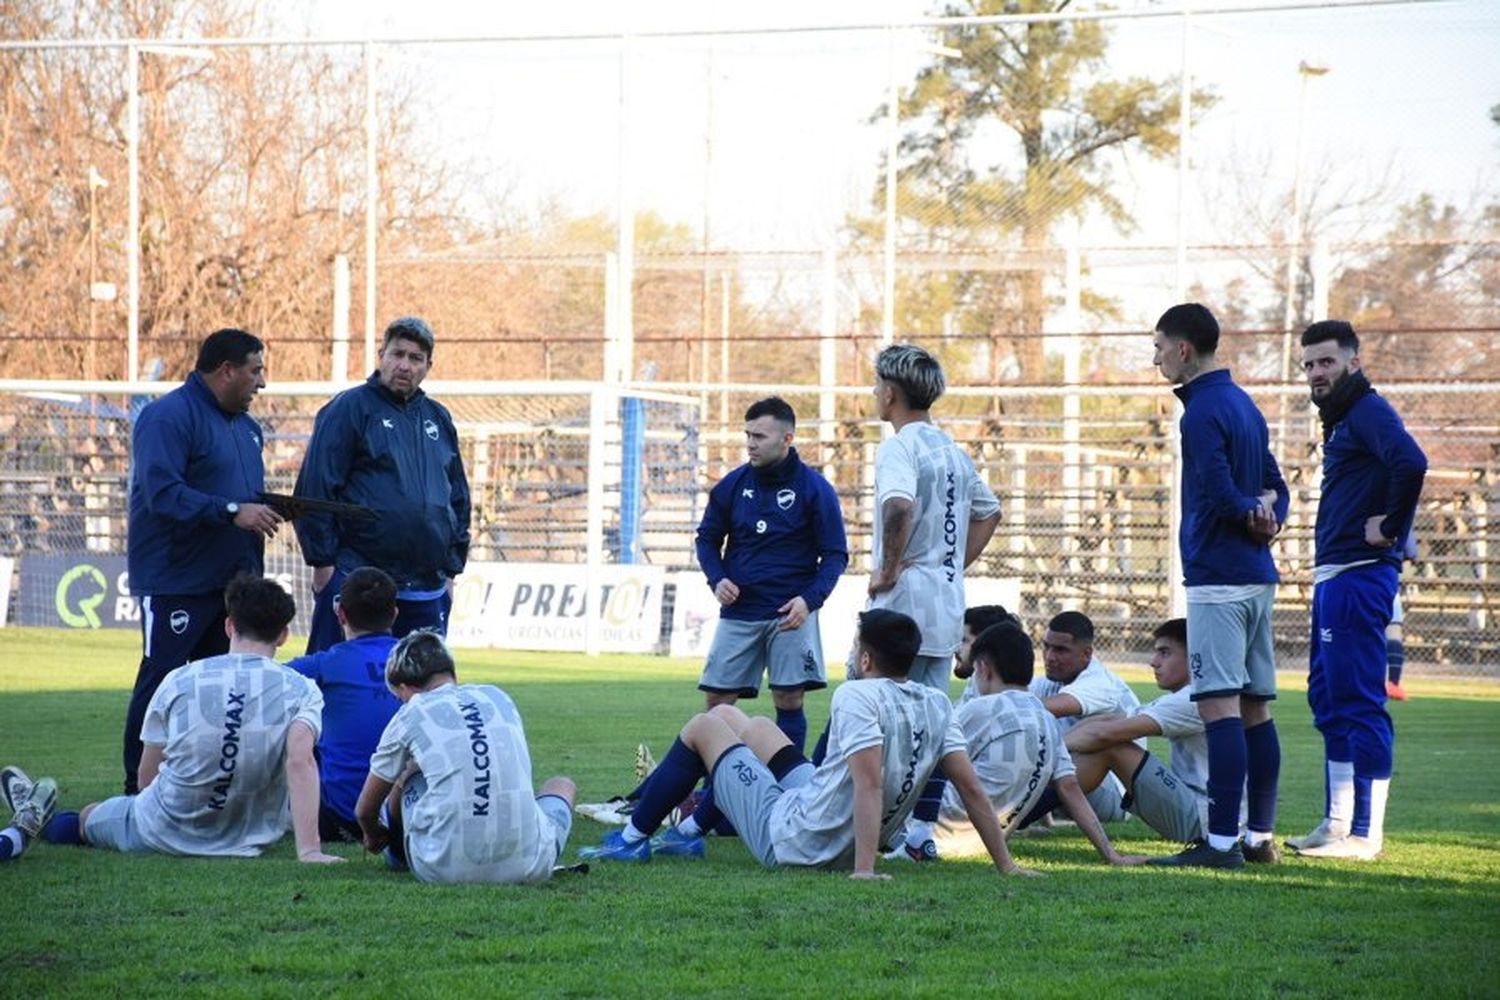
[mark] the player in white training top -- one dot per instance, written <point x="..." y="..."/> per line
<point x="449" y="793"/>
<point x="1172" y="797"/>
<point x="1016" y="746"/>
<point x="886" y="736"/>
<point x="228" y="757"/>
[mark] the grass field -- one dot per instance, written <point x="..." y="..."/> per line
<point x="1424" y="921"/>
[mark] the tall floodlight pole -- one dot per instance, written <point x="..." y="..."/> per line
<point x="133" y="52"/>
<point x="893" y="139"/>
<point x="1305" y="71"/>
<point x="371" y="197"/>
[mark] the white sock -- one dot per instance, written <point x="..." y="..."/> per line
<point x="631" y="834"/>
<point x="918" y="832"/>
<point x="689" y="827"/>
<point x="1380" y="790"/>
<point x="1255" y="838"/>
<point x="1341" y="792"/>
<point x="1219" y="842"/>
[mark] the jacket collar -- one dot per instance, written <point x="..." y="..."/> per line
<point x="1341" y="399"/>
<point x="195" y="386"/>
<point x="390" y="397"/>
<point x="1219" y="376"/>
<point x="781" y="472"/>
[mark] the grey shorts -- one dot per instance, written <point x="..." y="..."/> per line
<point x="932" y="671"/>
<point x="1108" y="800"/>
<point x="741" y="650"/>
<point x="745" y="790"/>
<point x="1165" y="802"/>
<point x="1230" y="650"/>
<point x="111" y="825"/>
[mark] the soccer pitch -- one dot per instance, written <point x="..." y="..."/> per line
<point x="1425" y="920"/>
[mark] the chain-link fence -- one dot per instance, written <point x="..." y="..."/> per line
<point x="1084" y="478"/>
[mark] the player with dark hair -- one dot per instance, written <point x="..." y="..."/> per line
<point x="195" y="521"/>
<point x="1016" y="746"/>
<point x="976" y="620"/>
<point x="1372" y="478"/>
<point x="1171" y="797"/>
<point x="388" y="446"/>
<point x="449" y="793"/>
<point x="887" y="734"/>
<point x="357" y="703"/>
<point x="933" y="517"/>
<point x="772" y="547"/>
<point x="228" y="750"/>
<point x="1233" y="503"/>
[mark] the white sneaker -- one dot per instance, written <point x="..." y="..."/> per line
<point x="38" y="808"/>
<point x="1326" y="832"/>
<point x="644" y="762"/>
<point x="1350" y="847"/>
<point x="615" y="812"/>
<point x="15" y="787"/>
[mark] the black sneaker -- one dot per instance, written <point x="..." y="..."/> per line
<point x="1261" y="854"/>
<point x="1199" y="855"/>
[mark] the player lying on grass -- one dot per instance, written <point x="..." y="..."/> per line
<point x="886" y="736"/>
<point x="31" y="804"/>
<point x="228" y="750"/>
<point x="1017" y="748"/>
<point x="449" y="794"/>
<point x="357" y="704"/>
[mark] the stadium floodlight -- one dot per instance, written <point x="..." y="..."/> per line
<point x="133" y="53"/>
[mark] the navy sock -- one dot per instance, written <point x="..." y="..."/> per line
<point x="926" y="810"/>
<point x="1048" y="802"/>
<point x="12" y="843"/>
<point x="793" y="722"/>
<point x="1262" y="771"/>
<point x="63" y="828"/>
<point x="1226" y="774"/>
<point x="1395" y="659"/>
<point x="820" y="750"/>
<point x="668" y="785"/>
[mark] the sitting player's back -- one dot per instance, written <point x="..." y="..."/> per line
<point x="223" y="724"/>
<point x="478" y="819"/>
<point x="1017" y="749"/>
<point x="912" y="723"/>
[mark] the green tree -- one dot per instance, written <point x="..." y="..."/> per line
<point x="1001" y="145"/>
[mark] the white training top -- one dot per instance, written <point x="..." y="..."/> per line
<point x="1181" y="724"/>
<point x="912" y="723"/>
<point x="222" y="723"/>
<point x="478" y="820"/>
<point x="1097" y="690"/>
<point x="923" y="465"/>
<point x="1017" y="749"/>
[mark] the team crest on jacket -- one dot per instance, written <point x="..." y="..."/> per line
<point x="785" y="498"/>
<point x="179" y="621"/>
<point x="431" y="429"/>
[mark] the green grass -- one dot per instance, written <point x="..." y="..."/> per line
<point x="1424" y="921"/>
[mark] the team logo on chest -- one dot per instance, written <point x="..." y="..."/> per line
<point x="785" y="498"/>
<point x="430" y="429"/>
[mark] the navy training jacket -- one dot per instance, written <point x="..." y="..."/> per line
<point x="1226" y="465"/>
<point x="785" y="538"/>
<point x="189" y="460"/>
<point x="1371" y="465"/>
<point x="401" y="459"/>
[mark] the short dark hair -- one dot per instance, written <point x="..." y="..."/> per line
<point x="774" y="407"/>
<point x="891" y="638"/>
<point x="1174" y="629"/>
<point x="368" y="597"/>
<point x="914" y="372"/>
<point x="1331" y="329"/>
<point x="1074" y="623"/>
<point x="1192" y="322"/>
<point x="1007" y="650"/>
<point x="984" y="616"/>
<point x="259" y="608"/>
<point x="412" y="328"/>
<point x="228" y="344"/>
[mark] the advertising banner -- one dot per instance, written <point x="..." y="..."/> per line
<point x="540" y="606"/>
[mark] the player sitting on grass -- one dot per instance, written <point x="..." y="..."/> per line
<point x="449" y="793"/>
<point x="1016" y="746"/>
<point x="228" y="750"/>
<point x="1171" y="796"/>
<point x="886" y="736"/>
<point x="976" y="620"/>
<point x="357" y="704"/>
<point x="31" y="804"/>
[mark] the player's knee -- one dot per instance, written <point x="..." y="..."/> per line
<point x="561" y="786"/>
<point x="730" y="716"/>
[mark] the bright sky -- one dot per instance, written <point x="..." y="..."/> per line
<point x="1407" y="98"/>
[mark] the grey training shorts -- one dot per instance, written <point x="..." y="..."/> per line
<point x="745" y="790"/>
<point x="1165" y="802"/>
<point x="1229" y="648"/>
<point x="741" y="650"/>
